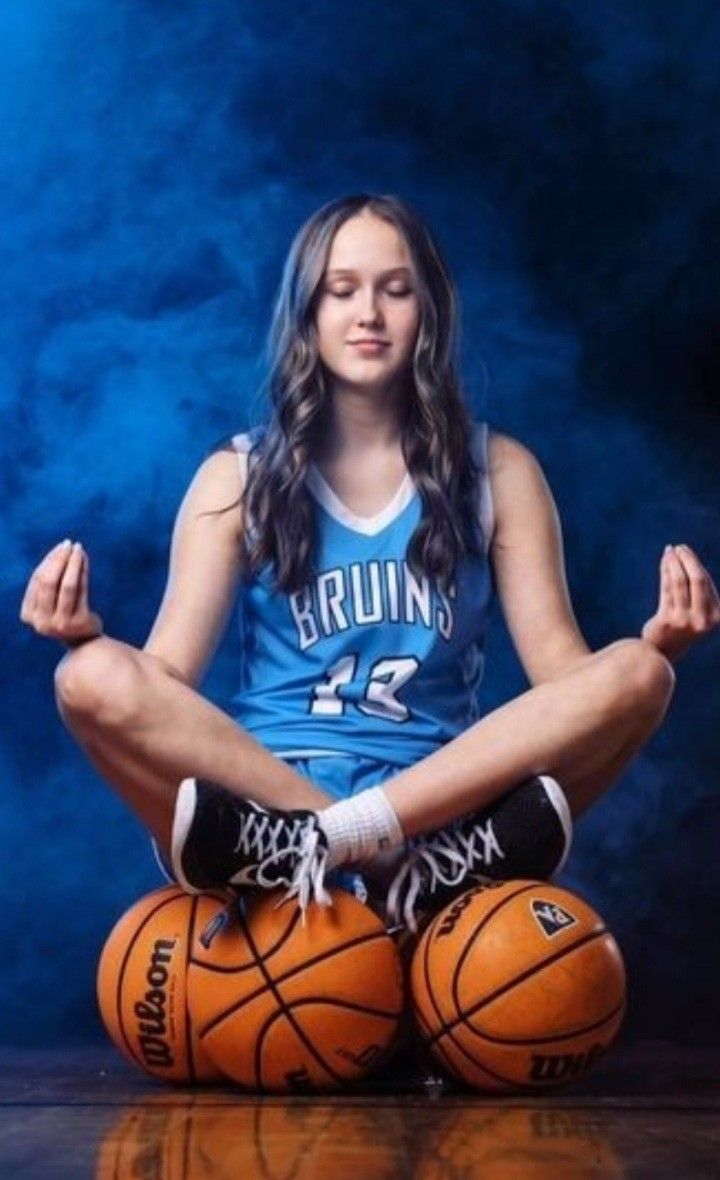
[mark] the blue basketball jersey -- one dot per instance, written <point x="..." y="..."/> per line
<point x="366" y="659"/>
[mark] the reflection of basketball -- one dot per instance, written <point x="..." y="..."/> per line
<point x="281" y="1005"/>
<point x="146" y="1132"/>
<point x="280" y="1140"/>
<point x="141" y="984"/>
<point x="535" y="1143"/>
<point x="517" y="984"/>
<point x="277" y="1140"/>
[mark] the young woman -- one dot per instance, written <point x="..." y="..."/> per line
<point x="366" y="524"/>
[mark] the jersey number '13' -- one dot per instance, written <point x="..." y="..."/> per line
<point x="387" y="677"/>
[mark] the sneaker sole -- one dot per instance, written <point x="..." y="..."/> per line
<point x="185" y="806"/>
<point x="557" y="797"/>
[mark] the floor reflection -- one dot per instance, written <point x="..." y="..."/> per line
<point x="544" y="1143"/>
<point x="279" y="1141"/>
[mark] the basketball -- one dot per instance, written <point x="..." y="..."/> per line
<point x="281" y="1005"/>
<point x="517" y="985"/>
<point x="141" y="988"/>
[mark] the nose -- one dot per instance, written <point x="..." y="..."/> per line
<point x="369" y="307"/>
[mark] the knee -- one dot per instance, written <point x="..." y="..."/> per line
<point x="97" y="681"/>
<point x="645" y="676"/>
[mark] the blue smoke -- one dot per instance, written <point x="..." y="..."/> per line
<point x="157" y="159"/>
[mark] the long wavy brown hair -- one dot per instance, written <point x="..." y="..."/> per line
<point x="278" y="510"/>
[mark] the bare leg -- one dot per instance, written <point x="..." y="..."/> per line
<point x="582" y="728"/>
<point x="145" y="730"/>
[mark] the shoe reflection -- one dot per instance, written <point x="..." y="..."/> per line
<point x="385" y="1139"/>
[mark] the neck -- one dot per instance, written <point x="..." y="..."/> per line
<point x="355" y="423"/>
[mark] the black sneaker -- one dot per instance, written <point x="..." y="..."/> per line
<point x="222" y="841"/>
<point x="526" y="833"/>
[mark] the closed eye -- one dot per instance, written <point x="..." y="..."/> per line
<point x="395" y="294"/>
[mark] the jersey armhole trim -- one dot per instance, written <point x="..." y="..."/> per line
<point x="241" y="442"/>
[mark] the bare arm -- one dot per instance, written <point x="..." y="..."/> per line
<point x="204" y="570"/>
<point x="528" y="563"/>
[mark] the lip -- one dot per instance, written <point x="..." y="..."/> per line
<point x="369" y="343"/>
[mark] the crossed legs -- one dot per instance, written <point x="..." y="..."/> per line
<point x="583" y="728"/>
<point x="144" y="730"/>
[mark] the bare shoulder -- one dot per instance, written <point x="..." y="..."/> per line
<point x="517" y="481"/>
<point x="507" y="454"/>
<point x="219" y="483"/>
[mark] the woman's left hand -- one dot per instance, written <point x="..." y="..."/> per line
<point x="689" y="604"/>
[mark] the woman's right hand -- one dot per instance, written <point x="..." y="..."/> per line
<point x="55" y="603"/>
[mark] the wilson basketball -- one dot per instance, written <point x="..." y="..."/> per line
<point x="282" y="1005"/>
<point x="517" y="985"/>
<point x="141" y="982"/>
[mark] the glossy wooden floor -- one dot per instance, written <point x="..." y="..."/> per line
<point x="650" y="1111"/>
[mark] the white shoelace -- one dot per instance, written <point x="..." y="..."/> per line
<point x="270" y="839"/>
<point x="427" y="855"/>
<point x="260" y="837"/>
<point x="309" y="874"/>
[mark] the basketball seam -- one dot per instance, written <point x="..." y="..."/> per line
<point x="288" y="975"/>
<point x="284" y="935"/>
<point x="438" y="1050"/>
<point x="283" y="1009"/>
<point x="188" y="1032"/>
<point x="478" y="1064"/>
<point x="327" y="1003"/>
<point x="448" y="1031"/>
<point x="526" y="975"/>
<point x="431" y="996"/>
<point x="564" y="1036"/>
<point x="476" y="932"/>
<point x="332" y="1002"/>
<point x="515" y="1085"/>
<point x="432" y="1041"/>
<point x="260" y="960"/>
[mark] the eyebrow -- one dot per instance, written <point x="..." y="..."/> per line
<point x="344" y="270"/>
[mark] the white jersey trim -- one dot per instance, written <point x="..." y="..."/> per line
<point x="312" y="753"/>
<point x="370" y="525"/>
<point x="241" y="442"/>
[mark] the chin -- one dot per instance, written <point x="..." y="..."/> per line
<point x="366" y="376"/>
<point x="368" y="381"/>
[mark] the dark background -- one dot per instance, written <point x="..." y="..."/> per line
<point x="157" y="158"/>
